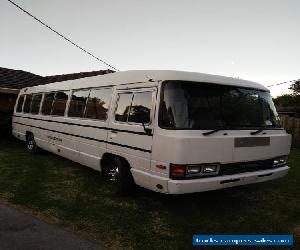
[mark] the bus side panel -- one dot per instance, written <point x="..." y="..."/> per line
<point x="87" y="138"/>
<point x="91" y="154"/>
<point x="18" y="131"/>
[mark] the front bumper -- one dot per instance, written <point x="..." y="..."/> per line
<point x="169" y="186"/>
<point x="213" y="183"/>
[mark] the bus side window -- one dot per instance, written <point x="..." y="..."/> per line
<point x="20" y="104"/>
<point x="124" y="102"/>
<point x="59" y="103"/>
<point x="47" y="103"/>
<point x="35" y="106"/>
<point x="27" y="104"/>
<point x="140" y="107"/>
<point x="77" y="103"/>
<point x="98" y="103"/>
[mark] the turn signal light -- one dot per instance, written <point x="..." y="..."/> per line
<point x="177" y="171"/>
<point x="160" y="166"/>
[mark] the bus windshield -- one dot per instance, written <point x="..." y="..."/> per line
<point x="191" y="105"/>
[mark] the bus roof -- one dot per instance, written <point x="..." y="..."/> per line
<point x="135" y="76"/>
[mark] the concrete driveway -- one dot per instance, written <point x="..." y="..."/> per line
<point x="21" y="231"/>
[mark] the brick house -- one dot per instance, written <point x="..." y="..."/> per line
<point x="11" y="81"/>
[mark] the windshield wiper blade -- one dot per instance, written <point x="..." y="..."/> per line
<point x="212" y="131"/>
<point x="257" y="131"/>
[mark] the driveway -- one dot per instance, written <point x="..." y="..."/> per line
<point x="22" y="231"/>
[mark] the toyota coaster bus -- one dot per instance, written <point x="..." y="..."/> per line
<point x="169" y="131"/>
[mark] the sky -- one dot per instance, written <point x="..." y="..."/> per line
<point x="257" y="40"/>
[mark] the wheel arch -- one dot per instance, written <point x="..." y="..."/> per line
<point x="108" y="157"/>
<point x="28" y="133"/>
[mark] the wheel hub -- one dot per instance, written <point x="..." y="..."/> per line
<point x="113" y="173"/>
<point x="30" y="145"/>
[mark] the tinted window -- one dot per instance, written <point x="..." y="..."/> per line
<point x="190" y="105"/>
<point x="77" y="103"/>
<point x="123" y="107"/>
<point x="27" y="103"/>
<point x="59" y="103"/>
<point x="20" y="104"/>
<point x="47" y="103"/>
<point x="98" y="102"/>
<point x="35" y="105"/>
<point x="140" y="107"/>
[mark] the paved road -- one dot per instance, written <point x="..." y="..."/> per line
<point x="20" y="231"/>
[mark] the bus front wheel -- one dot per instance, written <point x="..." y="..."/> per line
<point x="119" y="173"/>
<point x="31" y="144"/>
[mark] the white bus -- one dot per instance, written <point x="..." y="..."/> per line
<point x="169" y="131"/>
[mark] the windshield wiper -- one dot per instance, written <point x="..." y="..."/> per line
<point x="221" y="126"/>
<point x="212" y="131"/>
<point x="257" y="131"/>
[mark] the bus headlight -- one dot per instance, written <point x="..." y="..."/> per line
<point x="280" y="161"/>
<point x="202" y="169"/>
<point x="210" y="169"/>
<point x="190" y="170"/>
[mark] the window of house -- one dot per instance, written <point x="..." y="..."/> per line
<point x="77" y="103"/>
<point x="140" y="107"/>
<point x="35" y="105"/>
<point x="47" y="103"/>
<point x="20" y="103"/>
<point x="98" y="103"/>
<point x="123" y="106"/>
<point x="27" y="103"/>
<point x="59" y="103"/>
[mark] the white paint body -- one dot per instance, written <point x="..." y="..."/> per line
<point x="71" y="137"/>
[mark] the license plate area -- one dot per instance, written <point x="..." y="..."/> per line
<point x="251" y="142"/>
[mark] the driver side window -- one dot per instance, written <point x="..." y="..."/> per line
<point x="134" y="107"/>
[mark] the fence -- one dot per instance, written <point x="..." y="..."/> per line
<point x="292" y="125"/>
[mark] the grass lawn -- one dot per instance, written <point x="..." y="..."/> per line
<point x="75" y="197"/>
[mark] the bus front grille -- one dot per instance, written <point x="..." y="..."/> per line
<point x="242" y="167"/>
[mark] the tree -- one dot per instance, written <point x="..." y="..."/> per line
<point x="295" y="87"/>
<point x="287" y="100"/>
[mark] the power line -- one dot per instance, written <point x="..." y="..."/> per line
<point x="276" y="84"/>
<point x="62" y="36"/>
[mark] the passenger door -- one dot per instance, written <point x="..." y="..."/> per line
<point x="132" y="111"/>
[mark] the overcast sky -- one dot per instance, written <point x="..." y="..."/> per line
<point x="257" y="40"/>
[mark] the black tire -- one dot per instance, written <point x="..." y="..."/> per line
<point x="31" y="146"/>
<point x="119" y="173"/>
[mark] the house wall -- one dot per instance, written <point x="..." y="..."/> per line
<point x="292" y="125"/>
<point x="7" y="103"/>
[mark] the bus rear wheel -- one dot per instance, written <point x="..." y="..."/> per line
<point x="31" y="144"/>
<point x="119" y="173"/>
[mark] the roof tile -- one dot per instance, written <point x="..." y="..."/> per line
<point x="18" y="79"/>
